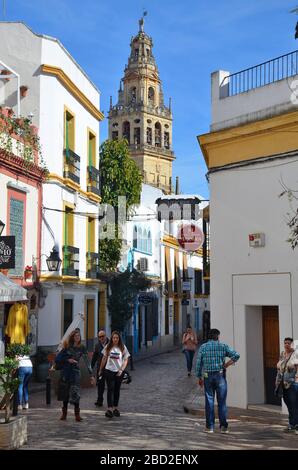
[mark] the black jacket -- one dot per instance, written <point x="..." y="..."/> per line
<point x="97" y="355"/>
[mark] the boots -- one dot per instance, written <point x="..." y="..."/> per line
<point x="77" y="415"/>
<point x="64" y="413"/>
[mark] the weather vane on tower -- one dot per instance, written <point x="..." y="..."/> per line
<point x="141" y="21"/>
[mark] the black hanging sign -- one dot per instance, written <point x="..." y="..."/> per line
<point x="7" y="252"/>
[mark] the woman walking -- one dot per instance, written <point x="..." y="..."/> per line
<point x="287" y="382"/>
<point x="190" y="342"/>
<point x="69" y="384"/>
<point x="113" y="364"/>
<point x="24" y="375"/>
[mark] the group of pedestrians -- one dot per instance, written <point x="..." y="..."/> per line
<point x="109" y="360"/>
<point x="211" y="367"/>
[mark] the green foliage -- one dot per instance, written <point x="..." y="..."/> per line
<point x="120" y="176"/>
<point x="292" y="217"/>
<point x="9" y="382"/>
<point x="124" y="289"/>
<point x="16" y="349"/>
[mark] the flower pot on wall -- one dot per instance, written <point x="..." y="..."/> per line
<point x="24" y="90"/>
<point x="6" y="72"/>
<point x="14" y="433"/>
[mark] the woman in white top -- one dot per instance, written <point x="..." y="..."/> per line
<point x="114" y="362"/>
<point x="24" y="374"/>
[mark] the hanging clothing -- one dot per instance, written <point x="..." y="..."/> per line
<point x="18" y="323"/>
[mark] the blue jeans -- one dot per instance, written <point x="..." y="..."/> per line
<point x="290" y="397"/>
<point x="24" y="374"/>
<point x="215" y="382"/>
<point x="189" y="358"/>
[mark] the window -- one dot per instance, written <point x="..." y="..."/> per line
<point x="167" y="140"/>
<point x="133" y="95"/>
<point x="91" y="149"/>
<point x="136" y="53"/>
<point x="17" y="207"/>
<point x="144" y="241"/>
<point x="126" y="131"/>
<point x="137" y="136"/>
<point x="67" y="313"/>
<point x="114" y="135"/>
<point x="149" y="135"/>
<point x="91" y="234"/>
<point x="135" y="237"/>
<point x="198" y="281"/>
<point x="149" y="243"/>
<point x="207" y="287"/>
<point x="157" y="135"/>
<point x="69" y="133"/>
<point x="151" y="94"/>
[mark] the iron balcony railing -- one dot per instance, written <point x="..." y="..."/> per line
<point x="260" y="75"/>
<point x="93" y="180"/>
<point x="70" y="261"/>
<point x="92" y="270"/>
<point x="71" y="165"/>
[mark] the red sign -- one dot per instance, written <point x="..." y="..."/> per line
<point x="190" y="237"/>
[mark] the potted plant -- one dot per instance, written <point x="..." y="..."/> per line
<point x="5" y="72"/>
<point x="28" y="271"/>
<point x="13" y="432"/>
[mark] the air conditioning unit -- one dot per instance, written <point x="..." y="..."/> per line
<point x="143" y="264"/>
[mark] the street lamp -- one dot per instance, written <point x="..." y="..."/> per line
<point x="2" y="225"/>
<point x="54" y="261"/>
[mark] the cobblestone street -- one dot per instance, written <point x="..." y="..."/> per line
<point x="152" y="417"/>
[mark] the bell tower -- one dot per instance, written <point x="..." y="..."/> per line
<point x="141" y="117"/>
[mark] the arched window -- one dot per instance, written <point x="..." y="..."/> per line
<point x="149" y="135"/>
<point x="126" y="131"/>
<point x="133" y="95"/>
<point x="144" y="248"/>
<point x="151" y="94"/>
<point x="139" y="238"/>
<point x="149" y="247"/>
<point x="135" y="237"/>
<point x="157" y="134"/>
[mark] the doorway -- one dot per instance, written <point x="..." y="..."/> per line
<point x="270" y="319"/>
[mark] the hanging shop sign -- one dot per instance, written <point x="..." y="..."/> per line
<point x="7" y="252"/>
<point x="190" y="237"/>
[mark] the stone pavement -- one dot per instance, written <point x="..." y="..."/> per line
<point x="152" y="417"/>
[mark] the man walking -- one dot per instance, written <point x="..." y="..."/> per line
<point x="96" y="359"/>
<point x="212" y="366"/>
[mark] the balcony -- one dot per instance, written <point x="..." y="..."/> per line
<point x="151" y="149"/>
<point x="70" y="261"/>
<point x="92" y="269"/>
<point x="93" y="185"/>
<point x="71" y="165"/>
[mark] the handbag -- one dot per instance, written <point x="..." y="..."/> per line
<point x="126" y="377"/>
<point x="278" y="391"/>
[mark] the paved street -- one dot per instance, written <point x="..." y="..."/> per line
<point x="152" y="417"/>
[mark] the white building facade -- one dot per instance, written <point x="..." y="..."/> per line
<point x="65" y="107"/>
<point x="250" y="151"/>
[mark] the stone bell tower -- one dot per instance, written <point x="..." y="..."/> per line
<point x="141" y="117"/>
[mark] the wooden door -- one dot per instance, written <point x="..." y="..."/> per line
<point x="270" y="351"/>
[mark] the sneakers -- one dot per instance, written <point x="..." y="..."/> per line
<point x="116" y="412"/>
<point x="188" y="374"/>
<point x="26" y="406"/>
<point x="20" y="407"/>
<point x="98" y="403"/>
<point x="208" y="430"/>
<point x="224" y="430"/>
<point x="109" y="414"/>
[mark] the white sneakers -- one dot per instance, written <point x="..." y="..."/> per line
<point x="26" y="406"/>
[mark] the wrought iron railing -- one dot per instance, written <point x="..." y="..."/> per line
<point x="92" y="269"/>
<point x="70" y="260"/>
<point x="71" y="165"/>
<point x="260" y="75"/>
<point x="93" y="185"/>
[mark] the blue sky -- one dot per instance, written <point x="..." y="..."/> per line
<point x="192" y="38"/>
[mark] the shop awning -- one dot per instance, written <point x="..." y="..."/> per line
<point x="11" y="292"/>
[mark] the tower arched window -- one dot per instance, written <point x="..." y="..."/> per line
<point x="144" y="247"/>
<point x="133" y="95"/>
<point x="139" y="238"/>
<point x="135" y="237"/>
<point x="158" y="134"/>
<point x="151" y="94"/>
<point x="126" y="131"/>
<point x="149" y="135"/>
<point x="167" y="140"/>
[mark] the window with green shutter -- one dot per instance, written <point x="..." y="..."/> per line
<point x="16" y="224"/>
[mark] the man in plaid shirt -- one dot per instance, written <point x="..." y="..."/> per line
<point x="211" y="366"/>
